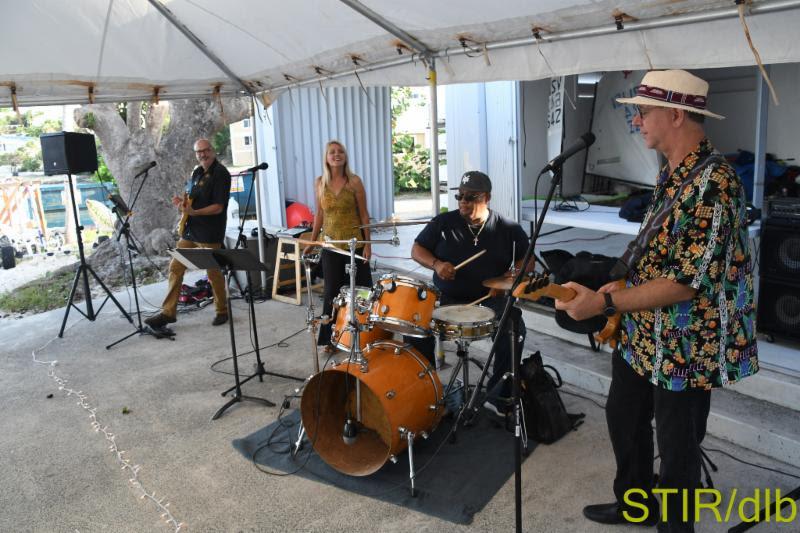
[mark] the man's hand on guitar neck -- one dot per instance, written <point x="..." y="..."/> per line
<point x="586" y="303"/>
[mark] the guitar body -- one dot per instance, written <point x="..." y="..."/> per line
<point x="187" y="201"/>
<point x="541" y="286"/>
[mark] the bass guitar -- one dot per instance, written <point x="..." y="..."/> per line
<point x="187" y="202"/>
<point x="540" y="285"/>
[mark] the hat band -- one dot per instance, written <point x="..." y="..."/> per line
<point x="656" y="93"/>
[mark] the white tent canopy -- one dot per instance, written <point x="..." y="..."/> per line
<point x="60" y="51"/>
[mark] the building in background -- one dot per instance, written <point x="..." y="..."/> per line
<point x="242" y="144"/>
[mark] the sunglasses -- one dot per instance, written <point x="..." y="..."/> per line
<point x="468" y="197"/>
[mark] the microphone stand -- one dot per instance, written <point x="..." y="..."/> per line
<point x="241" y="240"/>
<point x="469" y="410"/>
<point x="125" y="229"/>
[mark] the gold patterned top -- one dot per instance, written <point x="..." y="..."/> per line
<point x="340" y="215"/>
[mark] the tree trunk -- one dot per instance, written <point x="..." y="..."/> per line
<point x="164" y="133"/>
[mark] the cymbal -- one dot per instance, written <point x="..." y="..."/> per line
<point x="392" y="223"/>
<point x="500" y="282"/>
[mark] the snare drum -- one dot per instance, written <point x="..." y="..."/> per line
<point x="404" y="305"/>
<point x="463" y="322"/>
<point x="341" y="338"/>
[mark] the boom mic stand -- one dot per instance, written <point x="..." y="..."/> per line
<point x="240" y="238"/>
<point x="83" y="272"/>
<point x="470" y="410"/>
<point x="125" y="229"/>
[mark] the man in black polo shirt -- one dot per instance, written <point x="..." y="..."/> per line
<point x="455" y="236"/>
<point x="208" y="190"/>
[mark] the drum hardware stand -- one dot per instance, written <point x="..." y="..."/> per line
<point x="462" y="353"/>
<point x="83" y="272"/>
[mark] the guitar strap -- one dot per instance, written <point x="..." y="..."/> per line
<point x="654" y="222"/>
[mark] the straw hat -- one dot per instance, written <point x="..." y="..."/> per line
<point x="672" y="88"/>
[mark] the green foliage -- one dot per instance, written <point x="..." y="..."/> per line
<point x="221" y="141"/>
<point x="103" y="175"/>
<point x="49" y="292"/>
<point x="411" y="164"/>
<point x="89" y="121"/>
<point x="401" y="101"/>
<point x="25" y="123"/>
<point x="28" y="158"/>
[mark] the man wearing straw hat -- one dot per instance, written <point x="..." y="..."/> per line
<point x="450" y="245"/>
<point x="688" y="317"/>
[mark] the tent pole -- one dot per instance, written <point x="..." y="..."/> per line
<point x="181" y="27"/>
<point x="434" y="114"/>
<point x="260" y="227"/>
<point x="762" y="117"/>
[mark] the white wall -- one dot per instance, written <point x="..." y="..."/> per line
<point x="533" y="138"/>
<point x="732" y="93"/>
<point x="783" y="132"/>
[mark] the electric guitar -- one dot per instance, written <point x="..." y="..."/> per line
<point x="187" y="201"/>
<point x="540" y="285"/>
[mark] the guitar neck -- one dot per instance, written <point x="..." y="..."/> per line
<point x="559" y="292"/>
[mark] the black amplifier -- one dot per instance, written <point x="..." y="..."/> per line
<point x="784" y="208"/>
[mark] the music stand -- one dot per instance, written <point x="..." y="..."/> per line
<point x="229" y="261"/>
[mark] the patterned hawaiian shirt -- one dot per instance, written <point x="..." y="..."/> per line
<point x="703" y="243"/>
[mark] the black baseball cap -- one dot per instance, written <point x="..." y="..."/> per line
<point x="474" y="180"/>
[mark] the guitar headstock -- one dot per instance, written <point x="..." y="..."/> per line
<point x="534" y="287"/>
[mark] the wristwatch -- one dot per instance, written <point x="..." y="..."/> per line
<point x="610" y="309"/>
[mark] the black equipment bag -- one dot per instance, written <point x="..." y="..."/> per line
<point x="590" y="270"/>
<point x="546" y="418"/>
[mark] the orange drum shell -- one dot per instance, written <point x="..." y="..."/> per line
<point x="396" y="391"/>
<point x="342" y="339"/>
<point x="402" y="310"/>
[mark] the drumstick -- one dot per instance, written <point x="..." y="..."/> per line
<point x="333" y="248"/>
<point x="465" y="261"/>
<point x="479" y="300"/>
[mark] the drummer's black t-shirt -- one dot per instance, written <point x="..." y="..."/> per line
<point x="449" y="238"/>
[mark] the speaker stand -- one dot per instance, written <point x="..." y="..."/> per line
<point x="82" y="273"/>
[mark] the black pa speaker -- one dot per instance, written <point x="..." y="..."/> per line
<point x="780" y="249"/>
<point x="779" y="308"/>
<point x="67" y="152"/>
<point x="779" y="288"/>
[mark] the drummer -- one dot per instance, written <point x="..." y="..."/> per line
<point x="453" y="237"/>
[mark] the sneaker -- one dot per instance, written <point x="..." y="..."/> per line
<point x="159" y="320"/>
<point x="219" y="320"/>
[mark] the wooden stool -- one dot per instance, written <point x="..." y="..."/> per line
<point x="287" y="256"/>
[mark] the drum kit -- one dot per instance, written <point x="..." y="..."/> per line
<point x="380" y="395"/>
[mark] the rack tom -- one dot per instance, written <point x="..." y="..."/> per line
<point x="341" y="336"/>
<point x="404" y="305"/>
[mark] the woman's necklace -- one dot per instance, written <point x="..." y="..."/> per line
<point x="474" y="233"/>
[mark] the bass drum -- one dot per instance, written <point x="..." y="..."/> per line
<point x="399" y="389"/>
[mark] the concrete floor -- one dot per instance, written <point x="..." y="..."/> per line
<point x="59" y="475"/>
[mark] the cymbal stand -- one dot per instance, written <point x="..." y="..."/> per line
<point x="312" y="322"/>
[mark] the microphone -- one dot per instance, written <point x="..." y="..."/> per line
<point x="586" y="140"/>
<point x="350" y="432"/>
<point x="262" y="166"/>
<point x="145" y="168"/>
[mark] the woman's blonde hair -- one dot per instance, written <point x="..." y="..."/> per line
<point x="326" y="170"/>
